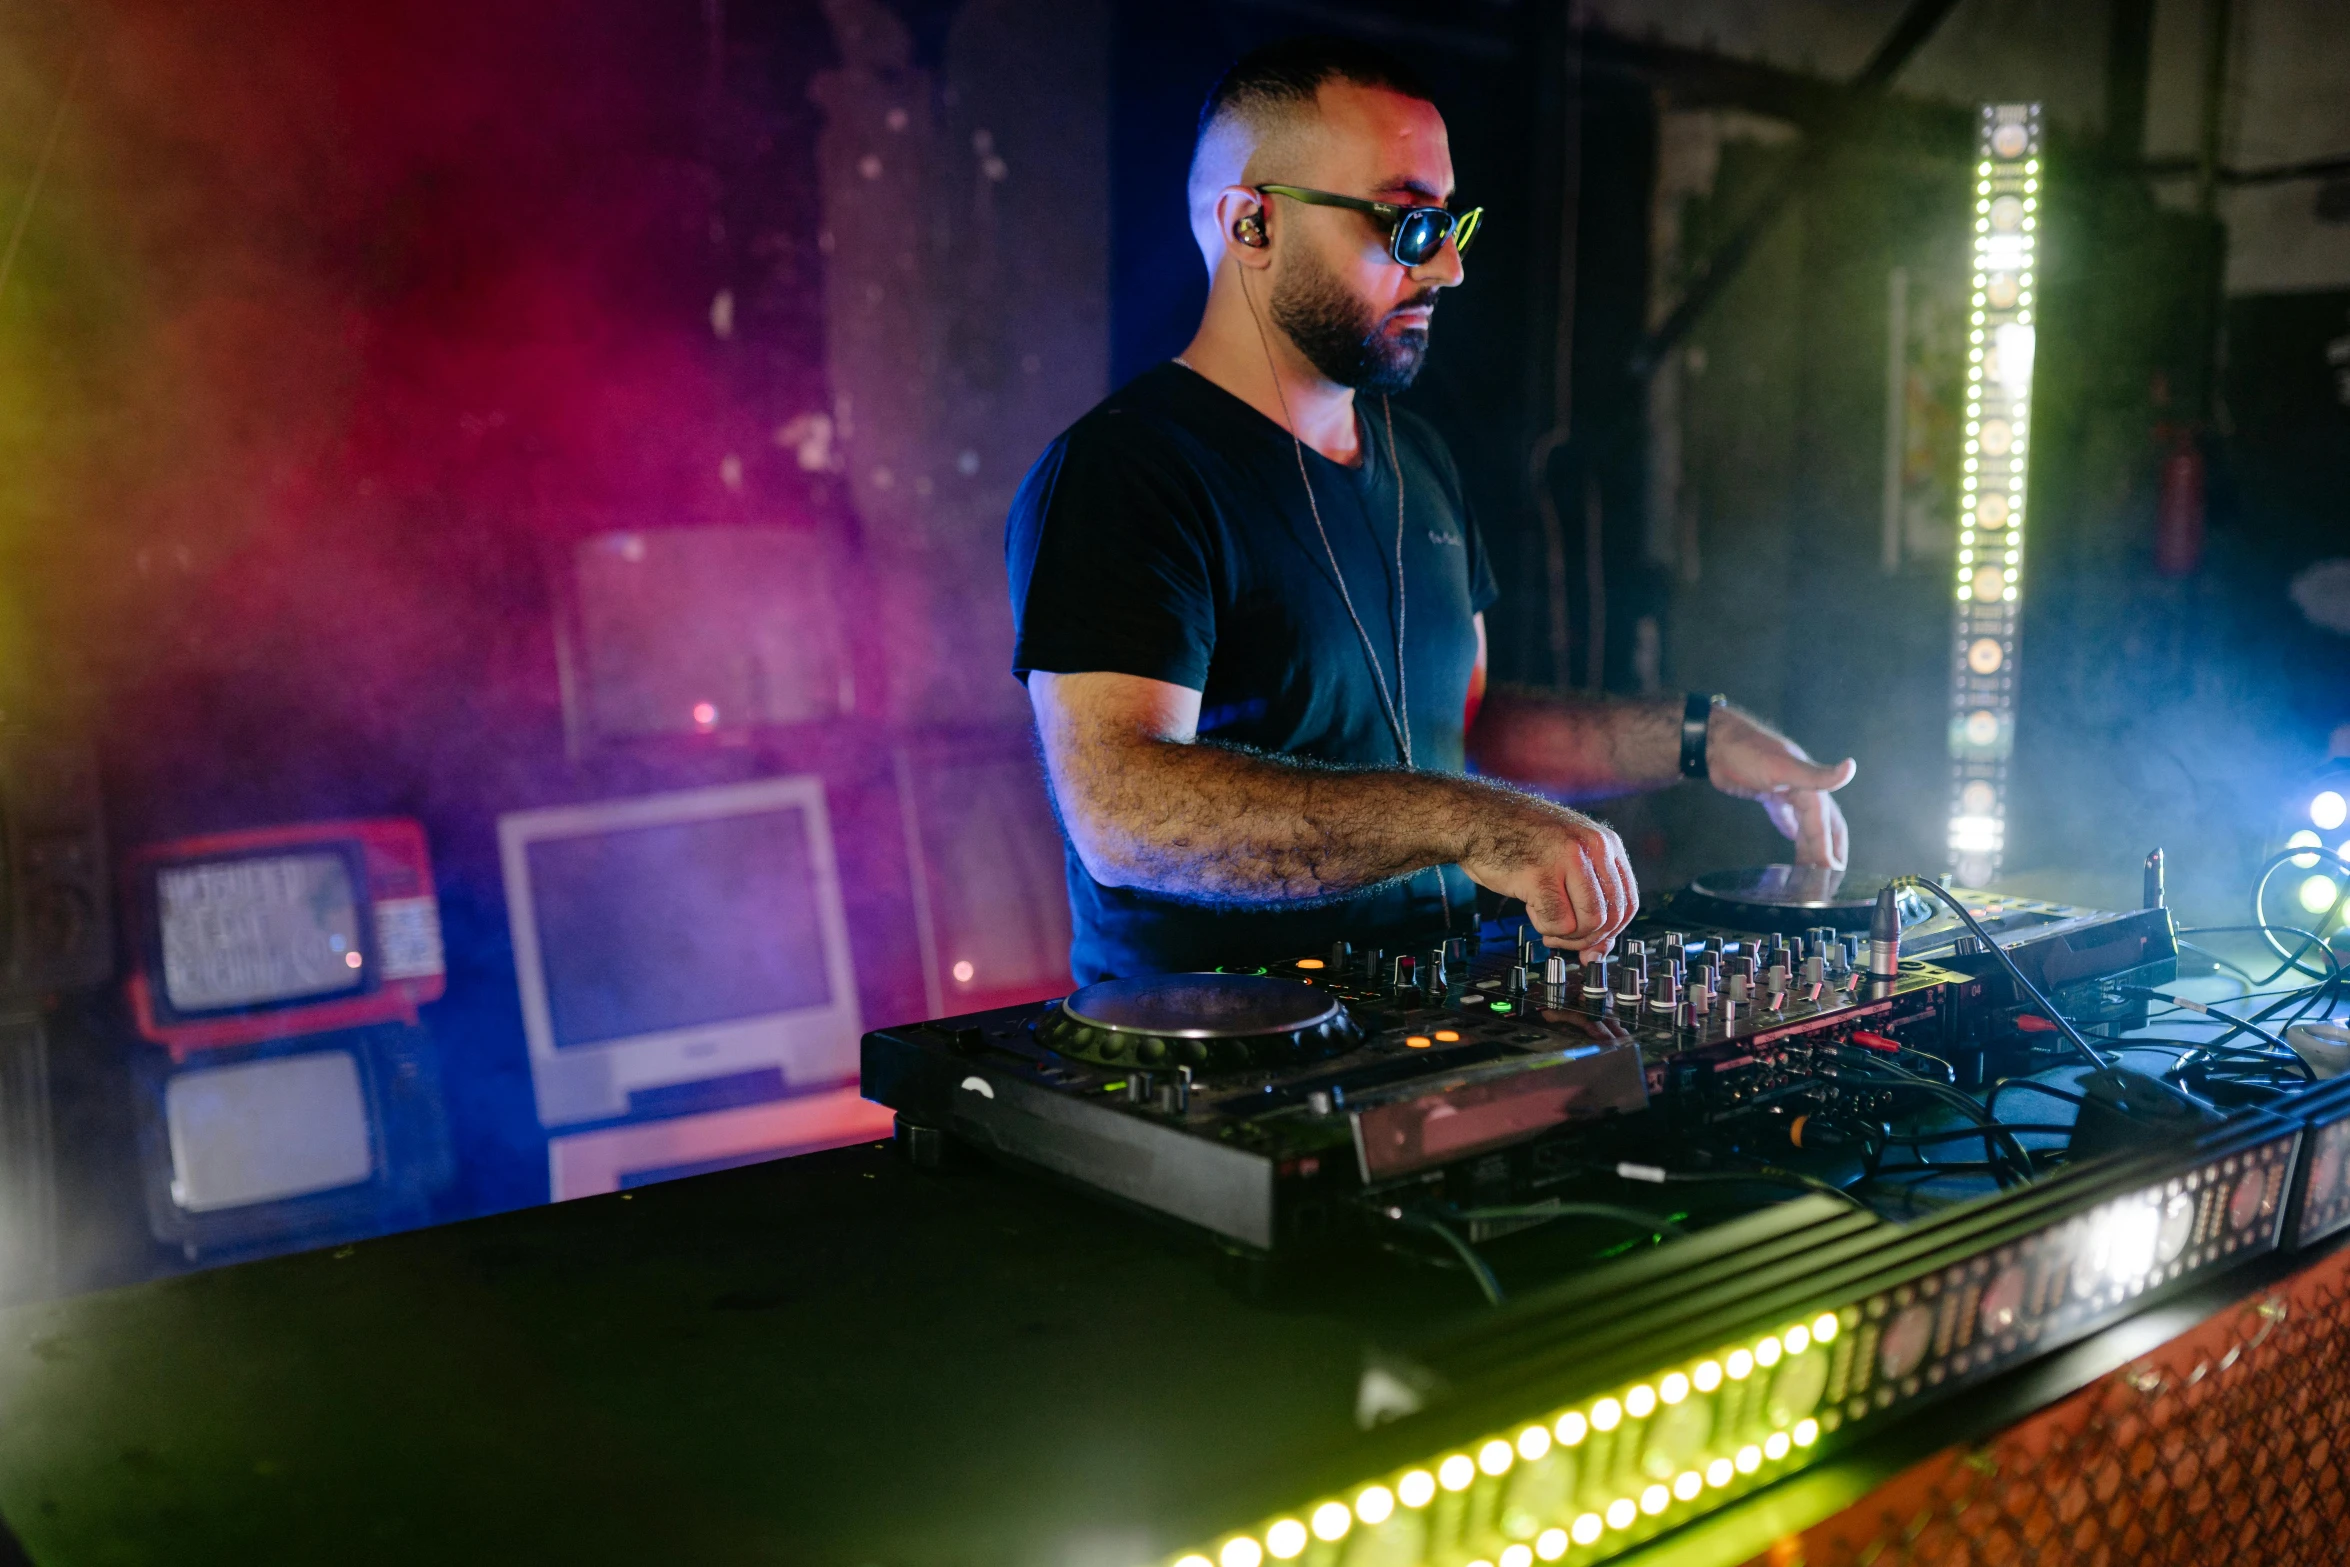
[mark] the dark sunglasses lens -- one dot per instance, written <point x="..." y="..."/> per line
<point x="1421" y="234"/>
<point x="1467" y="228"/>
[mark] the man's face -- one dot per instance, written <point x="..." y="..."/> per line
<point x="1358" y="317"/>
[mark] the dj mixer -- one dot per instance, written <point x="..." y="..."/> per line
<point x="1276" y="1105"/>
<point x="1753" y="1028"/>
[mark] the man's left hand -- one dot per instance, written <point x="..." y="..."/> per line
<point x="1748" y="758"/>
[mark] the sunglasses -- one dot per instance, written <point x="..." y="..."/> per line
<point x="1414" y="234"/>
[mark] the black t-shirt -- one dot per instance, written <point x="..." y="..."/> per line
<point x="1167" y="535"/>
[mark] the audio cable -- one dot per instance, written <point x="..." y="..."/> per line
<point x="2064" y="1026"/>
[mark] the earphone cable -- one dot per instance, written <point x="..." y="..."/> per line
<point x="1396" y="710"/>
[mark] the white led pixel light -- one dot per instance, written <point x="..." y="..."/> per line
<point x="2003" y="342"/>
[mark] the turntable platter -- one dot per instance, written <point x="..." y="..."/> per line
<point x="1792" y="898"/>
<point x="1209" y="1022"/>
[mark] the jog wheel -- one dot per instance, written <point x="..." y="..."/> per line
<point x="1212" y="1023"/>
<point x="1791" y="898"/>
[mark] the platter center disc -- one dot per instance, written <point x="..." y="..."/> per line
<point x="1790" y="897"/>
<point x="1202" y="1006"/>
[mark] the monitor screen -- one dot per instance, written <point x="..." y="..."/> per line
<point x="645" y="930"/>
<point x="249" y="932"/>
<point x="267" y="1130"/>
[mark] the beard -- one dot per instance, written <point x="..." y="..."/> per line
<point x="1335" y="330"/>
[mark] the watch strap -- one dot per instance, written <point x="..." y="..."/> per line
<point x="1696" y="713"/>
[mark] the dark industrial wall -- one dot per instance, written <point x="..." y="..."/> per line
<point x="2178" y="708"/>
<point x="334" y="330"/>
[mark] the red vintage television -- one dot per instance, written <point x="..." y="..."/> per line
<point x="243" y="937"/>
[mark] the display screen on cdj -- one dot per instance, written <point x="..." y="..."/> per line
<point x="648" y="929"/>
<point x="249" y="932"/>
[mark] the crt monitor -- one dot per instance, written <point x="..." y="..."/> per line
<point x="279" y="932"/>
<point x="266" y="1130"/>
<point x="292" y="1142"/>
<point x="679" y="940"/>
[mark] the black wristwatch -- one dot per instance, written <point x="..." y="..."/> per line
<point x="1696" y="713"/>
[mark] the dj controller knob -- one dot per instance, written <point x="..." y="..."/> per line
<point x="1664" y="995"/>
<point x="1740" y="987"/>
<point x="1635" y="951"/>
<point x="1372" y="959"/>
<point x="1713" y="945"/>
<point x="1340" y="952"/>
<point x="1815" y="969"/>
<point x="1775" y="980"/>
<point x="1403" y="975"/>
<point x="1530" y="947"/>
<point x="1676" y="944"/>
<point x="1432" y="972"/>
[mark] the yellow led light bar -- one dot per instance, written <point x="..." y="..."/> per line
<point x="1574" y="1479"/>
<point x="2001" y="340"/>
<point x="1924" y="1309"/>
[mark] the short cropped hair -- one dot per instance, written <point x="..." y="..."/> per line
<point x="1277" y="82"/>
<point x="1286" y="75"/>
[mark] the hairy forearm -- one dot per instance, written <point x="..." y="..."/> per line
<point x="1581" y="748"/>
<point x="1222" y="824"/>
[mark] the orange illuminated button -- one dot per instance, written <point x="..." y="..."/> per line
<point x="1448" y="1036"/>
<point x="1310" y="963"/>
<point x="1417" y="1041"/>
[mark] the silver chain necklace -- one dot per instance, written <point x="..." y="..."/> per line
<point x="1396" y="710"/>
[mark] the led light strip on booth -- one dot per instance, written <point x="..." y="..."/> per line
<point x="1585" y="1420"/>
<point x="2001" y="338"/>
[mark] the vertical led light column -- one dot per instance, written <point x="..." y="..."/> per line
<point x="1991" y="488"/>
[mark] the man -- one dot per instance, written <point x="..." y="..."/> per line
<point x="1250" y="602"/>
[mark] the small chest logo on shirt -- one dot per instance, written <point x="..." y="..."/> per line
<point x="1438" y="536"/>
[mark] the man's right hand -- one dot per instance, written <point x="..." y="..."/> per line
<point x="1571" y="872"/>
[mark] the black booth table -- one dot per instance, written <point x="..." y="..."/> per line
<point x="831" y="1359"/>
<point x="835" y="1358"/>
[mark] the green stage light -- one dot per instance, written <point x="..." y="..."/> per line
<point x="2329" y="810"/>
